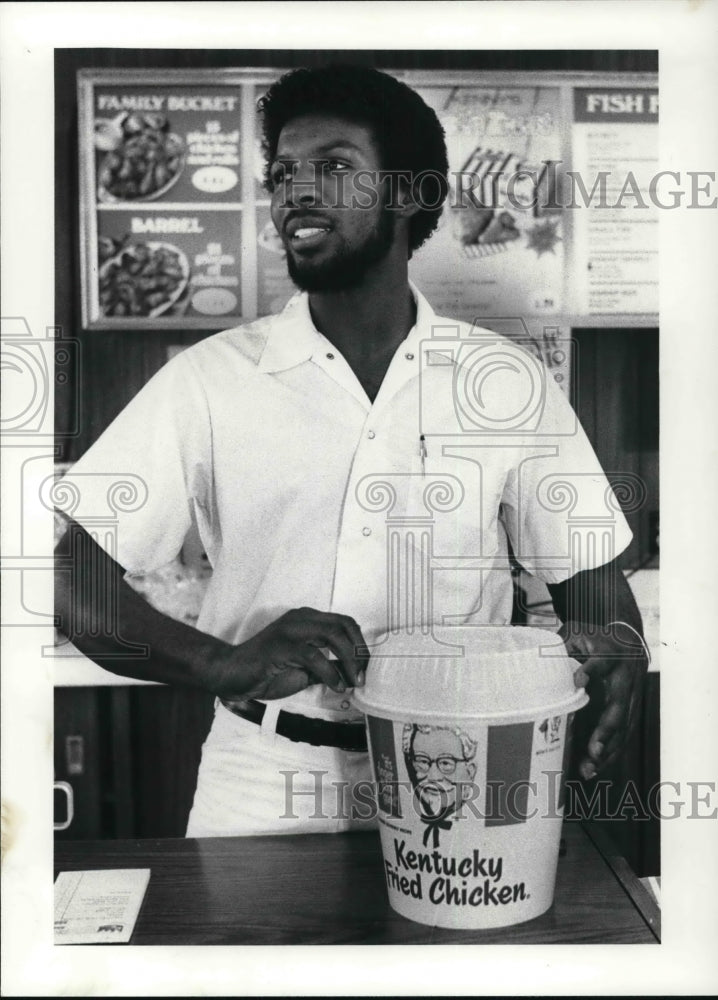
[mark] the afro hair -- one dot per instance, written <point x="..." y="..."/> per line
<point x="408" y="133"/>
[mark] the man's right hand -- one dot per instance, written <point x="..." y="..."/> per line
<point x="286" y="657"/>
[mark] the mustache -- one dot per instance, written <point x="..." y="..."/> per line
<point x="305" y="218"/>
<point x="432" y="785"/>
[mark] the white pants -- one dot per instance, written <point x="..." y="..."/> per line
<point x="252" y="781"/>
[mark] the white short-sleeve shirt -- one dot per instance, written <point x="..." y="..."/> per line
<point x="307" y="494"/>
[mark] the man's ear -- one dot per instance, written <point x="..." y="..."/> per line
<point x="404" y="200"/>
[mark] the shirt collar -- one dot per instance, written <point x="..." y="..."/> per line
<point x="293" y="338"/>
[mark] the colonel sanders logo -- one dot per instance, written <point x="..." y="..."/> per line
<point x="440" y="764"/>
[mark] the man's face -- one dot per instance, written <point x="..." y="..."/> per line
<point x="323" y="166"/>
<point x="441" y="771"/>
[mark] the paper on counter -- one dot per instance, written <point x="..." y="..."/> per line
<point x="98" y="907"/>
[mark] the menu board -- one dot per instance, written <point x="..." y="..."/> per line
<point x="615" y="237"/>
<point x="163" y="203"/>
<point x="176" y="226"/>
<point x="499" y="249"/>
<point x="274" y="288"/>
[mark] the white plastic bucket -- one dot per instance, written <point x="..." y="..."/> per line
<point x="469" y="743"/>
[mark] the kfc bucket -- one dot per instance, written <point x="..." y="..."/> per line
<point x="469" y="733"/>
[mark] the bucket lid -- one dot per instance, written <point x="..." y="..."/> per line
<point x="469" y="671"/>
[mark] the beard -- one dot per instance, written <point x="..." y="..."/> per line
<point x="349" y="266"/>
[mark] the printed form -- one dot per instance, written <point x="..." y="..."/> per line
<point x="98" y="907"/>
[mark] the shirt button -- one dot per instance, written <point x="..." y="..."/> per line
<point x="371" y="435"/>
<point x="330" y="355"/>
<point x="409" y="356"/>
<point x="345" y="705"/>
<point x="366" y="531"/>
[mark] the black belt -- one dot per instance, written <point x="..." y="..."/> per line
<point x="303" y="729"/>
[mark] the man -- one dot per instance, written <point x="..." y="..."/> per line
<point x="276" y="439"/>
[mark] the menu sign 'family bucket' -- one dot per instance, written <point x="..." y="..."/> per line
<point x="469" y="736"/>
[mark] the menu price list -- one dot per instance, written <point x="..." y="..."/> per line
<point x="179" y="144"/>
<point x="164" y="168"/>
<point x="615" y="156"/>
<point x="499" y="247"/>
<point x="153" y="265"/>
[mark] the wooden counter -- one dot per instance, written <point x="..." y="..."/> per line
<point x="329" y="889"/>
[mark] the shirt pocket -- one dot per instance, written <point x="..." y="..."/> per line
<point x="432" y="490"/>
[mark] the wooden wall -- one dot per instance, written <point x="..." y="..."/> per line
<point x="134" y="767"/>
<point x="615" y="395"/>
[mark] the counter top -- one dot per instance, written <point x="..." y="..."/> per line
<point x="329" y="889"/>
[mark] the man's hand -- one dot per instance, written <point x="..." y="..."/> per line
<point x="614" y="655"/>
<point x="286" y="657"/>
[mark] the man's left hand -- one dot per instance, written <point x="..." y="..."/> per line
<point x="613" y="654"/>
